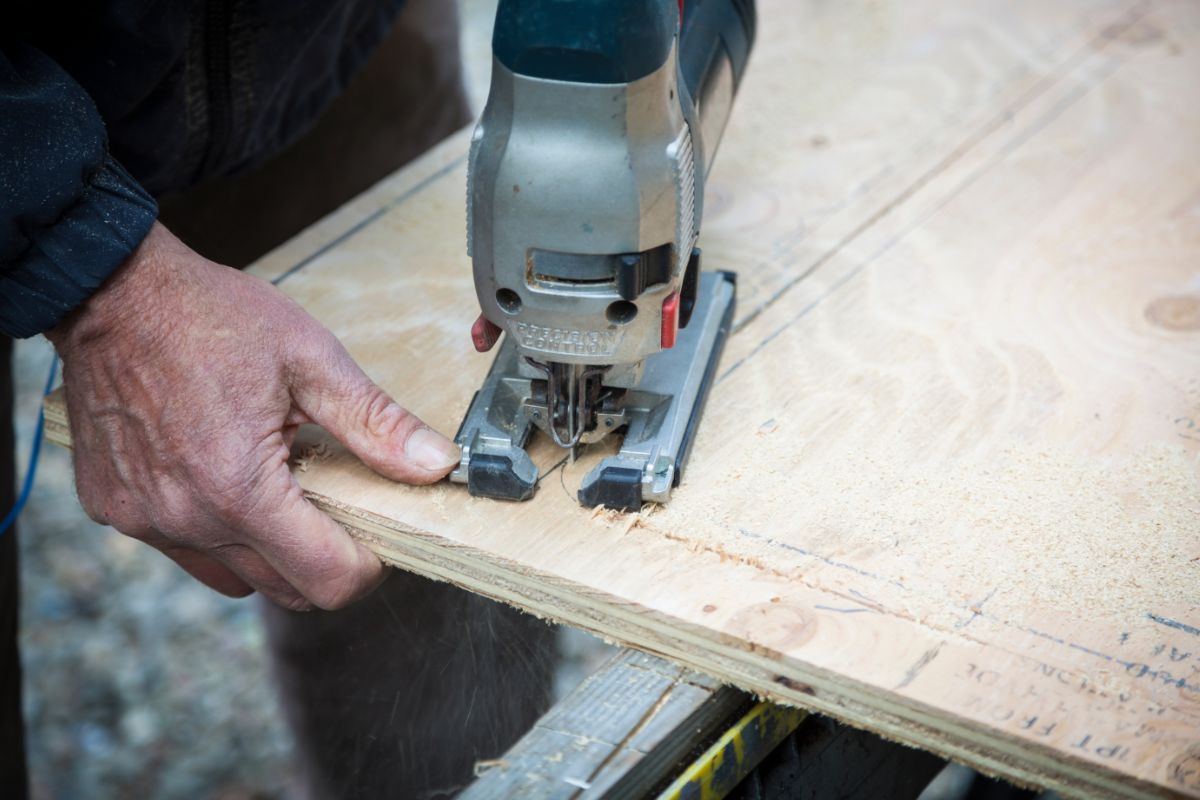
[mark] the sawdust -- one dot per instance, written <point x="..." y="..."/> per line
<point x="624" y="520"/>
<point x="310" y="455"/>
<point x="484" y="766"/>
<point x="1037" y="536"/>
<point x="606" y="516"/>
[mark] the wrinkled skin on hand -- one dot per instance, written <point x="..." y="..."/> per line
<point x="186" y="381"/>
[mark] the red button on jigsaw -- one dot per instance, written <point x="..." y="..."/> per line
<point x="484" y="334"/>
<point x="670" y="321"/>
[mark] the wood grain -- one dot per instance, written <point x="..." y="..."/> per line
<point x="947" y="485"/>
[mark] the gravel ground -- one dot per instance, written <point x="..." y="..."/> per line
<point x="140" y="682"/>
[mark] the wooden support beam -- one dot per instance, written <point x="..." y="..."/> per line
<point x="637" y="724"/>
<point x="626" y="729"/>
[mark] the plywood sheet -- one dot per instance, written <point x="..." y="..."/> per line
<point x="947" y="484"/>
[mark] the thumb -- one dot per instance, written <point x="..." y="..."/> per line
<point x="336" y="394"/>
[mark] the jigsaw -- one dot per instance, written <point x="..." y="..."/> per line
<point x="585" y="195"/>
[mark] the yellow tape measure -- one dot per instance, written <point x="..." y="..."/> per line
<point x="731" y="758"/>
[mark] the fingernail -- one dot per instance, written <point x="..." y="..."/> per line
<point x="432" y="451"/>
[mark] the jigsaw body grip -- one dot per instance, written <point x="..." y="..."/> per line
<point x="587" y="171"/>
<point x="606" y="42"/>
<point x="716" y="39"/>
<point x="585" y="41"/>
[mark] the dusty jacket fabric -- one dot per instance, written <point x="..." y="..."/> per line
<point x="105" y="104"/>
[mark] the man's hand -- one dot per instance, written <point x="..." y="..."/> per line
<point x="186" y="381"/>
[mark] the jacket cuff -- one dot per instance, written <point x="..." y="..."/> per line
<point x="69" y="260"/>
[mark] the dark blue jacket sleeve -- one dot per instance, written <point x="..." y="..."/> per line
<point x="69" y="214"/>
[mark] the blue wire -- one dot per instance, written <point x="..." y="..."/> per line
<point x="31" y="471"/>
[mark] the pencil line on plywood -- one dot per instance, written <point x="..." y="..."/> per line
<point x="1138" y="671"/>
<point x="1176" y="624"/>
<point x="921" y="663"/>
<point x="371" y="218"/>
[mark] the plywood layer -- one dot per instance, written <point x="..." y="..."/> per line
<point x="947" y="484"/>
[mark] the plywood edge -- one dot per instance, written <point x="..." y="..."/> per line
<point x="789" y="681"/>
<point x="781" y="679"/>
<point x="54" y="410"/>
